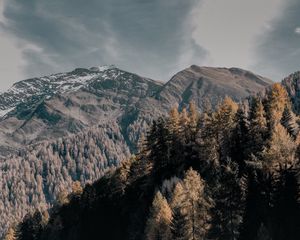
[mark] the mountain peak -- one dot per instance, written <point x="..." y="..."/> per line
<point x="198" y="83"/>
<point x="48" y="86"/>
<point x="102" y="68"/>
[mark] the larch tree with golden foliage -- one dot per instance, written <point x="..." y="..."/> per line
<point x="193" y="206"/>
<point x="277" y="100"/>
<point x="160" y="219"/>
<point x="11" y="234"/>
<point x="280" y="151"/>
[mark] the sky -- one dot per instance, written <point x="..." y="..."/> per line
<point x="154" y="38"/>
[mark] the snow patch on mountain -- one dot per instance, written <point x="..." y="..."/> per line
<point x="50" y="85"/>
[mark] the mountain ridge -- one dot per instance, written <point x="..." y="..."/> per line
<point x="39" y="130"/>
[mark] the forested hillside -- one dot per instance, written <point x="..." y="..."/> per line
<point x="75" y="126"/>
<point x="226" y="173"/>
<point x="38" y="177"/>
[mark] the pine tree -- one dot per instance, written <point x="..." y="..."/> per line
<point x="160" y="219"/>
<point x="277" y="100"/>
<point x="257" y="128"/>
<point x="239" y="148"/>
<point x="208" y="149"/>
<point x="280" y="151"/>
<point x="224" y="122"/>
<point x="289" y="121"/>
<point x="11" y="234"/>
<point x="176" y="206"/>
<point x="174" y="121"/>
<point x="252" y="217"/>
<point x="183" y="122"/>
<point x="31" y="227"/>
<point x="228" y="209"/>
<point x="286" y="205"/>
<point x="194" y="207"/>
<point x="176" y="146"/>
<point x="158" y="144"/>
<point x="193" y="120"/>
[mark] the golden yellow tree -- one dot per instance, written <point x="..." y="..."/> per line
<point x="281" y="149"/>
<point x="277" y="100"/>
<point x="160" y="219"/>
<point x="11" y="234"/>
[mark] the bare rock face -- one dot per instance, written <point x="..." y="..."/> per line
<point x="76" y="126"/>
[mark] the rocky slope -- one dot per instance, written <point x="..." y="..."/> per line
<point x="292" y="85"/>
<point x="74" y="126"/>
<point x="202" y="84"/>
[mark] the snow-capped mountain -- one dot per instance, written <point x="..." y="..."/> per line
<point x="50" y="85"/>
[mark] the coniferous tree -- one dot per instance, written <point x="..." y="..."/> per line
<point x="176" y="206"/>
<point x="158" y="144"/>
<point x="280" y="151"/>
<point x="252" y="217"/>
<point x="277" y="100"/>
<point x="194" y="207"/>
<point x="11" y="234"/>
<point x="193" y="121"/>
<point x="257" y="128"/>
<point x="160" y="219"/>
<point x="224" y="122"/>
<point x="286" y="205"/>
<point x="239" y="148"/>
<point x="31" y="227"/>
<point x="228" y="209"/>
<point x="289" y="121"/>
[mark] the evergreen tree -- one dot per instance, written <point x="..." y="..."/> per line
<point x="193" y="121"/>
<point x="11" y="234"/>
<point x="31" y="227"/>
<point x="174" y="121"/>
<point x="280" y="151"/>
<point x="253" y="217"/>
<point x="159" y="146"/>
<point x="239" y="147"/>
<point x="224" y="122"/>
<point x="228" y="209"/>
<point x="160" y="219"/>
<point x="289" y="121"/>
<point x="194" y="207"/>
<point x="277" y="100"/>
<point x="286" y="214"/>
<point x="176" y="206"/>
<point x="257" y="128"/>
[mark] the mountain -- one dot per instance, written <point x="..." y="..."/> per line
<point x="76" y="126"/>
<point x="47" y="86"/>
<point x="228" y="173"/>
<point x="202" y="84"/>
<point x="63" y="104"/>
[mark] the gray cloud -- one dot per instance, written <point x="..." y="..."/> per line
<point x="279" y="51"/>
<point x="147" y="37"/>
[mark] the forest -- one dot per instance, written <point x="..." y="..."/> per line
<point x="226" y="173"/>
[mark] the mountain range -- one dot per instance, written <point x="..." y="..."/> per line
<point x="75" y="126"/>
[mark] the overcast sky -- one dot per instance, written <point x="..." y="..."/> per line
<point x="154" y="38"/>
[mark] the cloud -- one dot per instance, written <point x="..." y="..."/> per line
<point x="147" y="37"/>
<point x="278" y="52"/>
<point x="297" y="30"/>
<point x="229" y="29"/>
